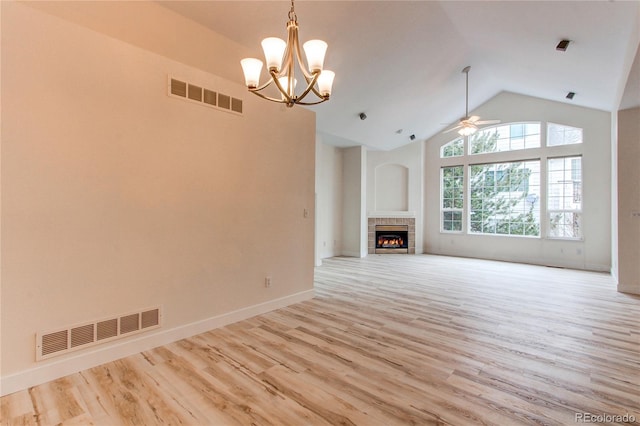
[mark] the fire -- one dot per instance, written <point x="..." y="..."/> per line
<point x="390" y="241"/>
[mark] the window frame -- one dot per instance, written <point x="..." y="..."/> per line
<point x="452" y="143"/>
<point x="566" y="126"/>
<point x="443" y="209"/>
<point x="509" y="214"/>
<point x="564" y="210"/>
<point x="470" y="144"/>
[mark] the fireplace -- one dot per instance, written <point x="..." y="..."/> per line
<point x="398" y="235"/>
<point x="392" y="239"/>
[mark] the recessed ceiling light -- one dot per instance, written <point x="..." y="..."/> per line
<point x="412" y="137"/>
<point x="562" y="46"/>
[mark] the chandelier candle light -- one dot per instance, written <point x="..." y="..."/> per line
<point x="281" y="58"/>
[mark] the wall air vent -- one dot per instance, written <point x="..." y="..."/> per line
<point x="179" y="88"/>
<point x="58" y="342"/>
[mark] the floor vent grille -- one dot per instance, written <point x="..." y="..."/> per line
<point x="179" y="88"/>
<point x="58" y="342"/>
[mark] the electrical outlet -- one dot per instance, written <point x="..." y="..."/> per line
<point x="267" y="282"/>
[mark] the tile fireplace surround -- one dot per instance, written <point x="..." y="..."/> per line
<point x="371" y="230"/>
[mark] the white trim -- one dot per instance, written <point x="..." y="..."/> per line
<point x="598" y="267"/>
<point x="352" y="254"/>
<point x="391" y="214"/>
<point x="103" y="354"/>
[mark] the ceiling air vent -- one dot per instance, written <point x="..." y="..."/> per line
<point x="562" y="46"/>
<point x="58" y="342"/>
<point x="179" y="88"/>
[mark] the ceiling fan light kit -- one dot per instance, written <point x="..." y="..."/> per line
<point x="469" y="125"/>
<point x="282" y="58"/>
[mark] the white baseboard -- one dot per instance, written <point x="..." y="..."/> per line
<point x="352" y="254"/>
<point x="98" y="355"/>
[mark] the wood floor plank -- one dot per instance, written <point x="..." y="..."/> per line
<point x="388" y="340"/>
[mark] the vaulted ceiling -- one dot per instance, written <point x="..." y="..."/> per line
<point x="400" y="62"/>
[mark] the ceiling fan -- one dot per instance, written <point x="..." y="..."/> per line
<point x="469" y="125"/>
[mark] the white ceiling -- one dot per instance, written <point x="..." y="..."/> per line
<point x="400" y="62"/>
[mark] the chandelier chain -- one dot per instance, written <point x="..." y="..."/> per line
<point x="292" y="13"/>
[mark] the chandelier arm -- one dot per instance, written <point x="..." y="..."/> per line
<point x="296" y="47"/>
<point x="313" y="103"/>
<point x="315" y="91"/>
<point x="255" y="89"/>
<point x="269" y="98"/>
<point x="310" y="87"/>
<point x="282" y="101"/>
<point x="274" y="77"/>
<point x="291" y="74"/>
<point x="288" y="53"/>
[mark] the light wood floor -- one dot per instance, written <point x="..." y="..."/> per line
<point x="389" y="340"/>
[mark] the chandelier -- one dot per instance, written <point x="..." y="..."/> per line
<point x="281" y="58"/>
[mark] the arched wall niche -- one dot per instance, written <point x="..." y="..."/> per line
<point x="392" y="187"/>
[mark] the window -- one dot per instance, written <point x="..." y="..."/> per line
<point x="504" y="198"/>
<point x="452" y="189"/>
<point x="558" y="134"/>
<point x="454" y="148"/>
<point x="564" y="197"/>
<point x="508" y="137"/>
<point x="506" y="174"/>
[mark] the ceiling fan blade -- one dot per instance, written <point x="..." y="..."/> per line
<point x="452" y="129"/>
<point x="473" y="118"/>
<point x="487" y="122"/>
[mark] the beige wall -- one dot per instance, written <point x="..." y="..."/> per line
<point x="354" y="219"/>
<point x="629" y="200"/>
<point x="117" y="197"/>
<point x="329" y="192"/>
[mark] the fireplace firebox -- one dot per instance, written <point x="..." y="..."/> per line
<point x="392" y="239"/>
